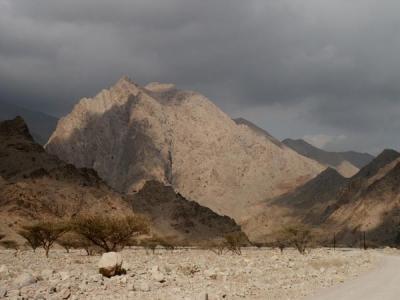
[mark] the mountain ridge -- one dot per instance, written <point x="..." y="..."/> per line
<point x="130" y="135"/>
<point x="347" y="163"/>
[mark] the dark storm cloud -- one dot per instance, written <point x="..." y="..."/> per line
<point x="333" y="64"/>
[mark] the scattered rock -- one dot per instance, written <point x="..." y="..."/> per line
<point x="157" y="275"/>
<point x="47" y="273"/>
<point x="3" y="292"/>
<point x="64" y="275"/>
<point x="13" y="294"/>
<point x="65" y="294"/>
<point x="110" y="264"/>
<point x="4" y="272"/>
<point x="144" y="286"/>
<point x="96" y="278"/>
<point x="210" y="273"/>
<point x="24" y="279"/>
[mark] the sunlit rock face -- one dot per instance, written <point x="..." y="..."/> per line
<point x="130" y="134"/>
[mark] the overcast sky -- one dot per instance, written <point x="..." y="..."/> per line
<point x="326" y="70"/>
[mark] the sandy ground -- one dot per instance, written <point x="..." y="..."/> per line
<point x="382" y="282"/>
<point x="181" y="274"/>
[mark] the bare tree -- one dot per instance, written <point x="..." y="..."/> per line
<point x="46" y="233"/>
<point x="299" y="236"/>
<point x="72" y="240"/>
<point x="233" y="242"/>
<point x="110" y="233"/>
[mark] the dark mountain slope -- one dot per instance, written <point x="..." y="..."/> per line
<point x="173" y="215"/>
<point x="41" y="125"/>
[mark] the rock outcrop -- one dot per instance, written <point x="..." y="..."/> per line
<point x="35" y="184"/>
<point x="131" y="134"/>
<point x="180" y="219"/>
<point x="41" y="125"/>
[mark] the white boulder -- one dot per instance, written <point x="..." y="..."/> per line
<point x="110" y="264"/>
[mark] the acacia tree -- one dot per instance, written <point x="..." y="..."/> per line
<point x="73" y="240"/>
<point x="233" y="243"/>
<point x="110" y="233"/>
<point x="31" y="239"/>
<point x="45" y="233"/>
<point x="299" y="236"/>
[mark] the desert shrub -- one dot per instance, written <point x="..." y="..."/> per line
<point x="45" y="233"/>
<point x="2" y="236"/>
<point x="233" y="243"/>
<point x="73" y="240"/>
<point x="31" y="239"/>
<point x="151" y="243"/>
<point x="299" y="236"/>
<point x="110" y="233"/>
<point x="168" y="243"/>
<point x="10" y="244"/>
<point x="280" y="244"/>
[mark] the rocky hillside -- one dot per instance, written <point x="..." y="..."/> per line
<point x="35" y="184"/>
<point x="346" y="163"/>
<point x="368" y="201"/>
<point x="307" y="204"/>
<point x="41" y="125"/>
<point x="130" y="134"/>
<point x="175" y="216"/>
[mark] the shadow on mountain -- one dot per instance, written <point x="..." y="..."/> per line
<point x="137" y="159"/>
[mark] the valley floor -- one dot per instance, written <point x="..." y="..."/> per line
<point x="182" y="274"/>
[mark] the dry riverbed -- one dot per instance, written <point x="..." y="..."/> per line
<point x="181" y="274"/>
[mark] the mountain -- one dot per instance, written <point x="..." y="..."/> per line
<point x="307" y="204"/>
<point x="369" y="201"/>
<point x="35" y="184"/>
<point x="173" y="215"/>
<point x="347" y="163"/>
<point x="257" y="130"/>
<point x="131" y="134"/>
<point x="41" y="125"/>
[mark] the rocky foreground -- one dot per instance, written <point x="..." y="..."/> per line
<point x="181" y="274"/>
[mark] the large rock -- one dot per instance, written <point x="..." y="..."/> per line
<point x="110" y="264"/>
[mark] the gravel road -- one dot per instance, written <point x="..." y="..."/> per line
<point x="381" y="283"/>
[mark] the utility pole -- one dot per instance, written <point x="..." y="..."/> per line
<point x="334" y="241"/>
<point x="365" y="243"/>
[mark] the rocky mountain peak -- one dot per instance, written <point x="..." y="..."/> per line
<point x="15" y="127"/>
<point x="158" y="87"/>
<point x="179" y="138"/>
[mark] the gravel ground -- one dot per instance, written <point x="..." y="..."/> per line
<point x="181" y="274"/>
